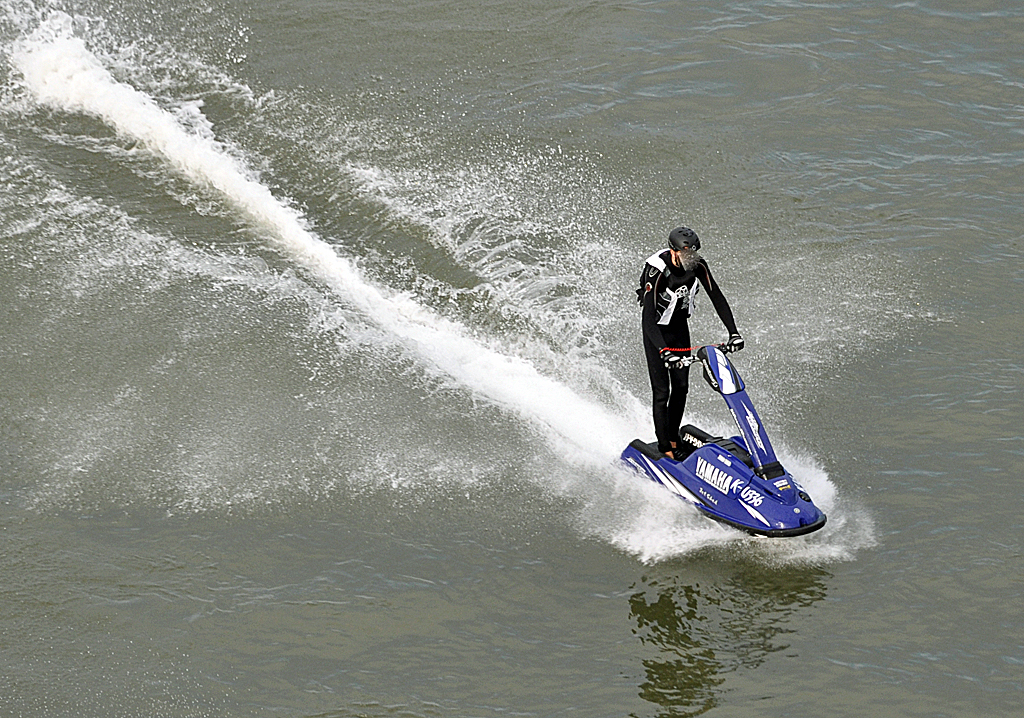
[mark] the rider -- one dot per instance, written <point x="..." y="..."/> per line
<point x="668" y="287"/>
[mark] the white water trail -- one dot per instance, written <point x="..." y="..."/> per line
<point x="60" y="72"/>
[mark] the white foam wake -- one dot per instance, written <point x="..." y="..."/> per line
<point x="60" y="72"/>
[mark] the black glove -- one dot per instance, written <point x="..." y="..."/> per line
<point x="734" y="344"/>
<point x="672" y="360"/>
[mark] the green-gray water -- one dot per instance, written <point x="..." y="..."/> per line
<point x="319" y="347"/>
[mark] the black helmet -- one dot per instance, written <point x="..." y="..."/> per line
<point x="683" y="238"/>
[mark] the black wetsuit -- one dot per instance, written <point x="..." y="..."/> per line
<point x="666" y="295"/>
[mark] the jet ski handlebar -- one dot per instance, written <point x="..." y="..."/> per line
<point x="686" y="361"/>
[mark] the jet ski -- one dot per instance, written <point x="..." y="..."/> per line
<point x="738" y="480"/>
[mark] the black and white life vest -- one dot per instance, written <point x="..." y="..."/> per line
<point x="676" y="290"/>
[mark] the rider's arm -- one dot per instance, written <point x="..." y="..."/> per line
<point x="717" y="298"/>
<point x="649" y="317"/>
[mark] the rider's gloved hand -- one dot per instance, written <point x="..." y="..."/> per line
<point x="734" y="344"/>
<point x="672" y="360"/>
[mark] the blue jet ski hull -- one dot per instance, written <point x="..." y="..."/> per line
<point x="725" y="488"/>
<point x="737" y="480"/>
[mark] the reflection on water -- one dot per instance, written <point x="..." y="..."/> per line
<point x="696" y="629"/>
